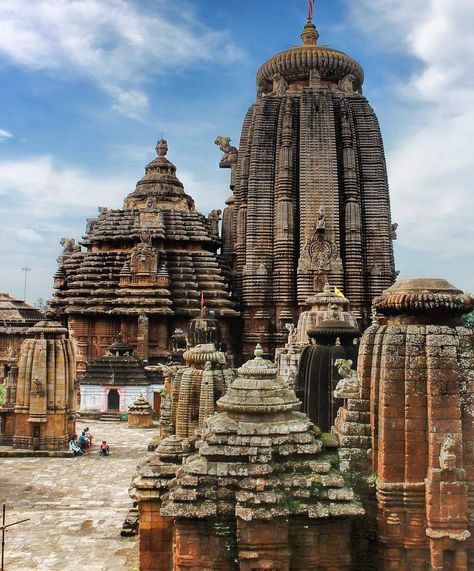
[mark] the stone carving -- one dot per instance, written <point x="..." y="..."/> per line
<point x="320" y="253"/>
<point x="280" y="85"/>
<point x="321" y="224"/>
<point x="447" y="455"/>
<point x="348" y="386"/>
<point x="213" y="220"/>
<point x="230" y="152"/>
<point x="393" y="231"/>
<point x="292" y="333"/>
<point x="347" y="84"/>
<point x="144" y="258"/>
<point x="69" y="246"/>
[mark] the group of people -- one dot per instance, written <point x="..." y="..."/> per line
<point x="80" y="445"/>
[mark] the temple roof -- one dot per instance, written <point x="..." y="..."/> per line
<point x="160" y="185"/>
<point x="298" y="62"/>
<point x="156" y="256"/>
<point x="17" y="314"/>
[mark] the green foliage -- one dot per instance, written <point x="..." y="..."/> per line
<point x="315" y="490"/>
<point x="468" y="319"/>
<point x="2" y="393"/>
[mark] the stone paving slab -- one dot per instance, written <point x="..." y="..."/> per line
<point x="77" y="505"/>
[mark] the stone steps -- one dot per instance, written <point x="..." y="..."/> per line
<point x="110" y="417"/>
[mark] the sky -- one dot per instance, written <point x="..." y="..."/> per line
<point x="88" y="86"/>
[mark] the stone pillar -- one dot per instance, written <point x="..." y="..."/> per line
<point x="156" y="538"/>
<point x="263" y="545"/>
<point x="142" y="336"/>
<point x="196" y="545"/>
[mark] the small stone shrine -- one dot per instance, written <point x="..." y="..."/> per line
<point x="414" y="416"/>
<point x="140" y="413"/>
<point x="115" y="380"/>
<point x="261" y="493"/>
<point x="196" y="388"/>
<point x="144" y="270"/>
<point x="318" y="373"/>
<point x="324" y="305"/>
<point x="39" y="412"/>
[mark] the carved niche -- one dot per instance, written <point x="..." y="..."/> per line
<point x="144" y="260"/>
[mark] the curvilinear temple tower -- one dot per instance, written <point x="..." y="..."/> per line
<point x="310" y="197"/>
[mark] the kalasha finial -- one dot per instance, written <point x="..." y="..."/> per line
<point x="258" y="351"/>
<point x="310" y="34"/>
<point x="161" y="148"/>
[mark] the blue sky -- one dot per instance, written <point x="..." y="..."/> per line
<point x="87" y="87"/>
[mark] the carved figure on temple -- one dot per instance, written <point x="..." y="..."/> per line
<point x="37" y="387"/>
<point x="347" y="84"/>
<point x="348" y="386"/>
<point x="321" y="225"/>
<point x="447" y="455"/>
<point x="292" y="333"/>
<point x="393" y="234"/>
<point x="69" y="246"/>
<point x="230" y="152"/>
<point x="280" y="85"/>
<point x="213" y="219"/>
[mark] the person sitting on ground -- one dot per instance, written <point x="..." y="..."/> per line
<point x="74" y="446"/>
<point x="104" y="449"/>
<point x="83" y="441"/>
<point x="88" y="435"/>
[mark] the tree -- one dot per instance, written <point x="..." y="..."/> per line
<point x="468" y="319"/>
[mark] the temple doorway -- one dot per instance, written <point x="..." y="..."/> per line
<point x="113" y="400"/>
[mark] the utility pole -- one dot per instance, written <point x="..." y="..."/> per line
<point x="25" y="270"/>
<point x="4" y="529"/>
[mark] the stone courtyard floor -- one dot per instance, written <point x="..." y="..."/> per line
<point x="76" y="505"/>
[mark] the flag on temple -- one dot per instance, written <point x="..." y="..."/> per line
<point x="310" y="10"/>
<point x="338" y="292"/>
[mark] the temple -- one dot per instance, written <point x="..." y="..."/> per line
<point x="310" y="199"/>
<point x="144" y="271"/>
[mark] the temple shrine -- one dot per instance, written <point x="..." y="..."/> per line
<point x="143" y="271"/>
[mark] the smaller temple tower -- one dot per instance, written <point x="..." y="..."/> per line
<point x="43" y="414"/>
<point x="413" y="416"/>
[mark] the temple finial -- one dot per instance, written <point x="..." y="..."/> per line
<point x="161" y="147"/>
<point x="310" y="34"/>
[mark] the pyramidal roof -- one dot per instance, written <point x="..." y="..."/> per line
<point x="17" y="313"/>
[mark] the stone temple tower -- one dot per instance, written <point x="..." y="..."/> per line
<point x="310" y="198"/>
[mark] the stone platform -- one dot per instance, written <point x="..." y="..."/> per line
<point x="76" y="505"/>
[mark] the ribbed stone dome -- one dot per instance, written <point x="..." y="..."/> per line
<point x="423" y="295"/>
<point x="298" y="62"/>
<point x="258" y="390"/>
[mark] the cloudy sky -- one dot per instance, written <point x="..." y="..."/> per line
<point x="87" y="87"/>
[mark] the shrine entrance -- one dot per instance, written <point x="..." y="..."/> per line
<point x="113" y="400"/>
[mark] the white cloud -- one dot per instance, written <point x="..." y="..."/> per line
<point x="431" y="166"/>
<point x="115" y="43"/>
<point x="29" y="235"/>
<point x="5" y="135"/>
